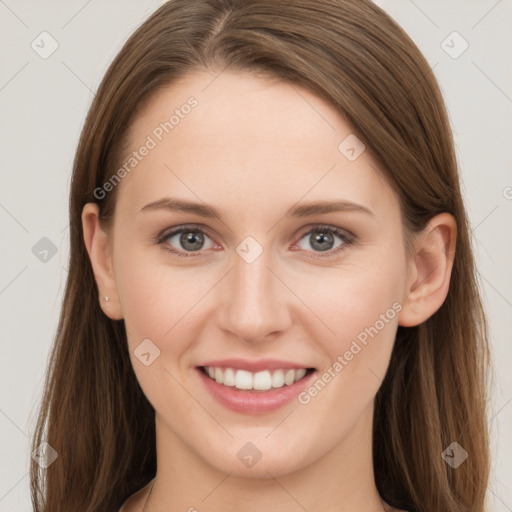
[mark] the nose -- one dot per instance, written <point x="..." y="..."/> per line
<point x="255" y="303"/>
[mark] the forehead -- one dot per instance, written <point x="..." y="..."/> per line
<point x="233" y="137"/>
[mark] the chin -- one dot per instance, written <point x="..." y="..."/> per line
<point x="246" y="459"/>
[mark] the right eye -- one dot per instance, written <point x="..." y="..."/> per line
<point x="185" y="241"/>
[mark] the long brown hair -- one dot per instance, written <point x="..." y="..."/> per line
<point x="352" y="54"/>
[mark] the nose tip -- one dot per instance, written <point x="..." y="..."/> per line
<point x="251" y="340"/>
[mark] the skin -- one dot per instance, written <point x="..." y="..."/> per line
<point x="253" y="148"/>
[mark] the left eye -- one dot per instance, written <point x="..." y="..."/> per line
<point x="323" y="239"/>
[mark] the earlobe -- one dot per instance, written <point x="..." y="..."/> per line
<point x="429" y="270"/>
<point x="98" y="248"/>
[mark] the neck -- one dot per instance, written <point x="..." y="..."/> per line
<point x="341" y="480"/>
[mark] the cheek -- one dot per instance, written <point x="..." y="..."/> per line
<point x="154" y="297"/>
<point x="359" y="309"/>
<point x="364" y="317"/>
<point x="353" y="299"/>
<point x="157" y="305"/>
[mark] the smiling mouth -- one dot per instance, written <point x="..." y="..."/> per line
<point x="255" y="381"/>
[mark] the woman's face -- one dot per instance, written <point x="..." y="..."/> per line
<point x="291" y="257"/>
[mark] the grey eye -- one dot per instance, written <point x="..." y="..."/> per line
<point x="321" y="240"/>
<point x="188" y="240"/>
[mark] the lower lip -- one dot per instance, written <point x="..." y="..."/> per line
<point x="254" y="402"/>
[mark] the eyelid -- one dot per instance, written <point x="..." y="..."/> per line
<point x="166" y="233"/>
<point x="319" y="227"/>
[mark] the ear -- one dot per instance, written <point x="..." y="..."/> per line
<point x="100" y="254"/>
<point x="429" y="270"/>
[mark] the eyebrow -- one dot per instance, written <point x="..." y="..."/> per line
<point x="304" y="210"/>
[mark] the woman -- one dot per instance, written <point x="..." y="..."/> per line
<point x="271" y="288"/>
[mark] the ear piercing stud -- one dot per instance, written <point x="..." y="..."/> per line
<point x="106" y="299"/>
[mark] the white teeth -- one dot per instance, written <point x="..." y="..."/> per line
<point x="299" y="374"/>
<point x="229" y="377"/>
<point x="278" y="379"/>
<point x="243" y="379"/>
<point x="289" y="377"/>
<point x="259" y="381"/>
<point x="262" y="381"/>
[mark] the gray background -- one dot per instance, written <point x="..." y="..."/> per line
<point x="43" y="104"/>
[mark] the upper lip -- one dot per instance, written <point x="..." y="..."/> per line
<point x="255" y="366"/>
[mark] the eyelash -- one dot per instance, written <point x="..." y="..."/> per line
<point x="346" y="238"/>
